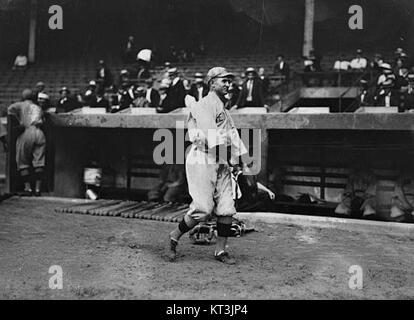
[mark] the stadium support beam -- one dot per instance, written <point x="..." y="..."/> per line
<point x="32" y="31"/>
<point x="308" y="28"/>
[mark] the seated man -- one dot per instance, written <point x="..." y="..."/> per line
<point x="359" y="197"/>
<point x="140" y="101"/>
<point x="172" y="185"/>
<point x="359" y="62"/>
<point x="20" y="62"/>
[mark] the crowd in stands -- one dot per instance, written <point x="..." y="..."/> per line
<point x="137" y="85"/>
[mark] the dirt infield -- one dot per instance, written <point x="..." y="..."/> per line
<point x="116" y="258"/>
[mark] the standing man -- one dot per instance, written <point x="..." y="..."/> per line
<point x="251" y="94"/>
<point x="31" y="144"/>
<point x="212" y="132"/>
<point x="198" y="89"/>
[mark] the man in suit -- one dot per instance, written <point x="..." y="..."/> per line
<point x="66" y="102"/>
<point x="265" y="81"/>
<point x="251" y="94"/>
<point x="104" y="75"/>
<point x="130" y="51"/>
<point x="175" y="94"/>
<point x="152" y="95"/>
<point x="282" y="68"/>
<point x="198" y="89"/>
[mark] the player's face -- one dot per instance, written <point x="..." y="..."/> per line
<point x="221" y="85"/>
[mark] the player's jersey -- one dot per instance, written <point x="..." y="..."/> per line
<point x="27" y="113"/>
<point x="207" y="119"/>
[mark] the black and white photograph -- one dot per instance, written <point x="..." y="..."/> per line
<point x="212" y="151"/>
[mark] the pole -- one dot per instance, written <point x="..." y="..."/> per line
<point x="32" y="31"/>
<point x="308" y="28"/>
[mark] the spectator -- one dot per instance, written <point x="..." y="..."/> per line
<point x="251" y="94"/>
<point x="143" y="70"/>
<point x="66" y="103"/>
<point x="316" y="59"/>
<point x="44" y="103"/>
<point x="385" y="96"/>
<point x="365" y="97"/>
<point x="198" y="89"/>
<point x="20" y="63"/>
<point x="282" y="68"/>
<point x="140" y="101"/>
<point x="359" y="62"/>
<point x="377" y="62"/>
<point x="163" y="97"/>
<point x="39" y="88"/>
<point x="408" y="95"/>
<point x="264" y="81"/>
<point x="176" y="92"/>
<point x="130" y="51"/>
<point x="233" y="95"/>
<point x="123" y="77"/>
<point x="341" y="64"/>
<point x="152" y="95"/>
<point x="100" y="101"/>
<point x="124" y="98"/>
<point x="90" y="93"/>
<point x="104" y="75"/>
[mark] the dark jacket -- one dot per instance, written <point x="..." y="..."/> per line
<point x="257" y="95"/>
<point x="194" y="91"/>
<point x="175" y="97"/>
<point x="285" y="71"/>
<point x="155" y="98"/>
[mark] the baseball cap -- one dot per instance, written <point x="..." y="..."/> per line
<point x="92" y="83"/>
<point x="40" y="84"/>
<point x="218" y="72"/>
<point x="124" y="71"/>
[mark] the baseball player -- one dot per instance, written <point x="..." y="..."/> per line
<point x="215" y="146"/>
<point x="31" y="144"/>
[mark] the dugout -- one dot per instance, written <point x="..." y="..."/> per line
<point x="312" y="153"/>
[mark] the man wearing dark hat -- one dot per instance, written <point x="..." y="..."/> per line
<point x="31" y="144"/>
<point x="151" y="94"/>
<point x="66" y="103"/>
<point x="212" y="132"/>
<point x="251" y="94"/>
<point x="198" y="89"/>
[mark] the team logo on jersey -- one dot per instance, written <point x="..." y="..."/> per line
<point x="221" y="117"/>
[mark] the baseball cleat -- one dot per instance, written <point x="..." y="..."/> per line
<point x="171" y="250"/>
<point x="224" y="257"/>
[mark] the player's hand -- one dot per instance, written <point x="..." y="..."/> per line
<point x="272" y="196"/>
